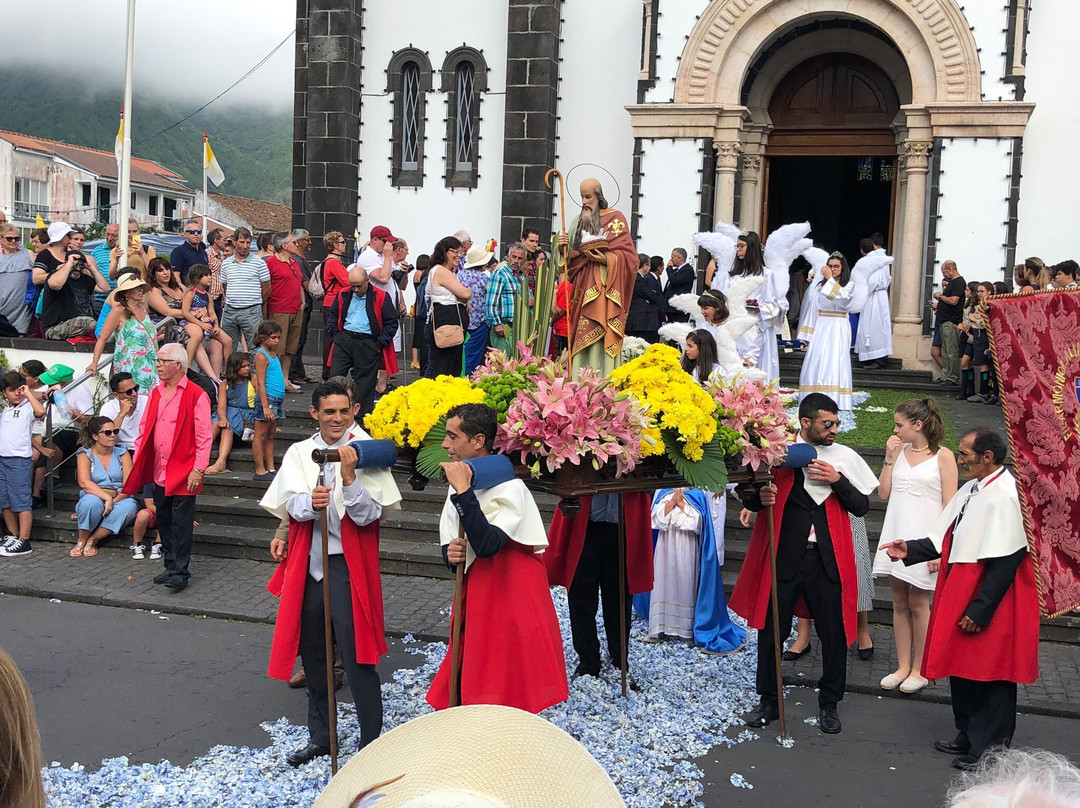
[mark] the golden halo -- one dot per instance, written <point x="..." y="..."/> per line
<point x="570" y="184"/>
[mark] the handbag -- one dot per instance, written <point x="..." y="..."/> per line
<point x="448" y="324"/>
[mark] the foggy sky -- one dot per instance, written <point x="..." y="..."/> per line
<point x="190" y="50"/>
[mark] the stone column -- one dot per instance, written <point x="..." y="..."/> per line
<point x="727" y="164"/>
<point x="750" y="200"/>
<point x="908" y="322"/>
<point x="897" y="246"/>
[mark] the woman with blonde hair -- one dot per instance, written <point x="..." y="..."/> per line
<point x="918" y="478"/>
<point x="1037" y="276"/>
<point x="20" y="742"/>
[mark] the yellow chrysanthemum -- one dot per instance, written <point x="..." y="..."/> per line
<point x="407" y="414"/>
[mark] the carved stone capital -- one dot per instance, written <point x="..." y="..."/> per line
<point x="917" y="155"/>
<point x="727" y="156"/>
<point x="751" y="167"/>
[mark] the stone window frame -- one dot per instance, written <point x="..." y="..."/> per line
<point x="401" y="177"/>
<point x="466" y="177"/>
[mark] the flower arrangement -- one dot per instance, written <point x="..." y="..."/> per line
<point x="676" y="403"/>
<point x="565" y="420"/>
<point x="755" y="411"/>
<point x="406" y="415"/>
<point x="632" y="348"/>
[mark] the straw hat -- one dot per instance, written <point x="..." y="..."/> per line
<point x="471" y="757"/>
<point x="131" y="282"/>
<point x="477" y="256"/>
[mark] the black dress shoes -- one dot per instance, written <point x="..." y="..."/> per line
<point x="161" y="578"/>
<point x="965" y="763"/>
<point x="951" y="747"/>
<point x="176" y="582"/>
<point x="791" y="656"/>
<point x="866" y="654"/>
<point x="828" y="721"/>
<point x="762" y="715"/>
<point x="306" y="754"/>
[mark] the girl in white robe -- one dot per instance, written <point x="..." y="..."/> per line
<point x="826" y="367"/>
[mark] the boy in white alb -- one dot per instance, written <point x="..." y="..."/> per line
<point x="22" y="408"/>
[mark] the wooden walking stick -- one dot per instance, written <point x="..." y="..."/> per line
<point x="331" y="696"/>
<point x="564" y="259"/>
<point x="776" y="618"/>
<point x="624" y="639"/>
<point x="455" y="632"/>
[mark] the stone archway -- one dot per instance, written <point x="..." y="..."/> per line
<point x="933" y="34"/>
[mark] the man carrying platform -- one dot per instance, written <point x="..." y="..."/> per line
<point x="510" y="650"/>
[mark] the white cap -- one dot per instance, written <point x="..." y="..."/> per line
<point x="57" y="230"/>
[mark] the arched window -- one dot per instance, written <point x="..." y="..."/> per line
<point x="464" y="77"/>
<point x="408" y="79"/>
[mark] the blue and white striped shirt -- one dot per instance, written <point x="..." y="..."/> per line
<point x="244" y="280"/>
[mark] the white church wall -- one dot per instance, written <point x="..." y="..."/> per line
<point x="424" y="215"/>
<point x="676" y="22"/>
<point x="1051" y="173"/>
<point x="988" y="22"/>
<point x="595" y="84"/>
<point x="670" y="196"/>
<point x="974" y="207"/>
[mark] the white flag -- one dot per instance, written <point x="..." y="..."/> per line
<point x="118" y="148"/>
<point x="210" y="164"/>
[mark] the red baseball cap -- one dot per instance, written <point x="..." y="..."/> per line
<point x="381" y="232"/>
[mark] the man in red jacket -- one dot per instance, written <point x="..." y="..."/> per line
<point x="984" y="624"/>
<point x="172" y="452"/>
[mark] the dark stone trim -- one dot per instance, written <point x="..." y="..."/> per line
<point x="707" y="214"/>
<point x="1012" y="223"/>
<point x="453" y="177"/>
<point x="635" y="188"/>
<point x="1010" y="49"/>
<point x="649" y="41"/>
<point x="531" y="117"/>
<point x="930" y="257"/>
<point x="395" y="73"/>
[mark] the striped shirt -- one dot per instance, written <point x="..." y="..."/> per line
<point x="502" y="288"/>
<point x="244" y="280"/>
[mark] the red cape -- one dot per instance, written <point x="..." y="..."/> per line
<point x="1006" y="650"/>
<point x="361" y="546"/>
<point x="511" y="646"/>
<point x="751" y="596"/>
<point x="567" y="537"/>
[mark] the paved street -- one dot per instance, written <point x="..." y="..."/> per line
<point x="111" y="682"/>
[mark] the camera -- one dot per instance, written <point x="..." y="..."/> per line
<point x="399" y="275"/>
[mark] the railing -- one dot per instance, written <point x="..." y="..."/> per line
<point x="104" y="364"/>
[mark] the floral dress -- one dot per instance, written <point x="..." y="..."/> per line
<point x="135" y="352"/>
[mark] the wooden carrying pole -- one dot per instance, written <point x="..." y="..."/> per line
<point x="331" y="696"/>
<point x="776" y="618"/>
<point x="455" y="632"/>
<point x="624" y="638"/>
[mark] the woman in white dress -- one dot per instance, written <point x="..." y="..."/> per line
<point x="918" y="479"/>
<point x="809" y="308"/>
<point x="826" y="367"/>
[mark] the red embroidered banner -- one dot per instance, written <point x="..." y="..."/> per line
<point x="1036" y="345"/>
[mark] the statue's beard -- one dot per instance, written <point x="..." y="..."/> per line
<point x="589" y="222"/>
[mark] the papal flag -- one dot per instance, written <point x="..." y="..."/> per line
<point x="118" y="147"/>
<point x="1035" y="340"/>
<point x="210" y="164"/>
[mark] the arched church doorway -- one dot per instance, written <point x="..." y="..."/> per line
<point x="831" y="152"/>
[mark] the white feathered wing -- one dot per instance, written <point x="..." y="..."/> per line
<point x="721" y="244"/>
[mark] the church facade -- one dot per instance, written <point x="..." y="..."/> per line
<point x="947" y="128"/>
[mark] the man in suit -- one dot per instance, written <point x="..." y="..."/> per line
<point x="815" y="559"/>
<point x="645" y="316"/>
<point x="681" y="277"/>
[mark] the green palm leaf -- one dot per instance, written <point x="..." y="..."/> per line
<point x="432" y="453"/>
<point x="709" y="474"/>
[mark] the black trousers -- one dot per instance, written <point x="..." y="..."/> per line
<point x="442" y="361"/>
<point x="597" y="579"/>
<point x="296" y="368"/>
<point x="175" y="524"/>
<point x="984" y="712"/>
<point x="363" y="679"/>
<point x="357" y="355"/>
<point x="823" y="600"/>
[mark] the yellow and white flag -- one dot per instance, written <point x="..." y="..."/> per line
<point x="118" y="148"/>
<point x="210" y="164"/>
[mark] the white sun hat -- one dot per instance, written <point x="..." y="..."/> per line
<point x="478" y="756"/>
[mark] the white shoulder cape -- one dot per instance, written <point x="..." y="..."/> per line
<point x="509" y="506"/>
<point x="848" y="462"/>
<point x="299" y="474"/>
<point x="992" y="526"/>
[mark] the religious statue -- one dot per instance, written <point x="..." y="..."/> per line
<point x="602" y="265"/>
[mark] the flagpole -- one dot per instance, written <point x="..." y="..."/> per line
<point x="205" y="199"/>
<point x="125" y="164"/>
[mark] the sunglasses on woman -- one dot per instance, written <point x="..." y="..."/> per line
<point x="108" y="433"/>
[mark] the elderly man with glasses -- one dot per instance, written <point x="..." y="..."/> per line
<point x="172" y="452"/>
<point x="191" y="252"/>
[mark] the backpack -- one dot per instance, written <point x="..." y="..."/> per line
<point x="315" y="282"/>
